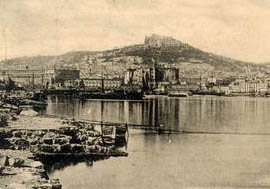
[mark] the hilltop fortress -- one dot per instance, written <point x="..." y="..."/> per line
<point x="162" y="41"/>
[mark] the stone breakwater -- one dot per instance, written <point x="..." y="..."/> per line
<point x="69" y="139"/>
<point x="27" y="142"/>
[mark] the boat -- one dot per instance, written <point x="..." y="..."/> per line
<point x="115" y="134"/>
<point x="119" y="95"/>
<point x="206" y="92"/>
<point x="178" y="94"/>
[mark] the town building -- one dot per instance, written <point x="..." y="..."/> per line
<point x="95" y="83"/>
<point x="24" y="76"/>
<point x="222" y="89"/>
<point x="242" y="86"/>
<point x="165" y="73"/>
<point x="40" y="77"/>
<point x="143" y="77"/>
<point x="60" y="75"/>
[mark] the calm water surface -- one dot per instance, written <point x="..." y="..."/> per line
<point x="230" y="146"/>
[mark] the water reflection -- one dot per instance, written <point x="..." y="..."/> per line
<point x="198" y="114"/>
<point x="176" y="161"/>
<point x="58" y="164"/>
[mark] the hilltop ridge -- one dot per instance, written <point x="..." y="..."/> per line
<point x="157" y="48"/>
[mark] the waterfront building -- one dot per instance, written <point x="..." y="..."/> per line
<point x="242" y="86"/>
<point x="40" y="77"/>
<point x="129" y="77"/>
<point x="222" y="89"/>
<point x="212" y="81"/>
<point x="142" y="77"/>
<point x="95" y="83"/>
<point x="24" y="76"/>
<point x="58" y="76"/>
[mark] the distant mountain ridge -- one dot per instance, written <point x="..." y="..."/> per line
<point x="155" y="47"/>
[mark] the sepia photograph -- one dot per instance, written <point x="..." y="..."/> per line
<point x="134" y="94"/>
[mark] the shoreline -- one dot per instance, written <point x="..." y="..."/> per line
<point x="27" y="141"/>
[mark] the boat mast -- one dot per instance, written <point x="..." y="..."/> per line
<point x="102" y="81"/>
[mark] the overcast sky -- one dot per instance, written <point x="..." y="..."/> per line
<point x="235" y="28"/>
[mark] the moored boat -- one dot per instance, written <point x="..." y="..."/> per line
<point x="178" y="94"/>
<point x="115" y="134"/>
<point x="112" y="95"/>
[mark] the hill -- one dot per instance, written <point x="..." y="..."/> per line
<point x="155" y="49"/>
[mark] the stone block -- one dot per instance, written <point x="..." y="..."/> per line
<point x="66" y="148"/>
<point x="16" y="162"/>
<point x="62" y="140"/>
<point x="37" y="165"/>
<point x="91" y="140"/>
<point x="92" y="148"/>
<point x="48" y="141"/>
<point x="17" y="134"/>
<point x="77" y="148"/>
<point x="46" y="148"/>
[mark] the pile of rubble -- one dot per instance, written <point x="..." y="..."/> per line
<point x="68" y="139"/>
<point x="24" y="138"/>
<point x="8" y="113"/>
<point x="19" y="170"/>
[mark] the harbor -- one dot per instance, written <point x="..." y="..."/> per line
<point x="70" y="134"/>
<point x="136" y="94"/>
<point x="222" y="138"/>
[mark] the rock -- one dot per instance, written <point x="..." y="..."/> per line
<point x="37" y="165"/>
<point x="3" y="120"/>
<point x="48" y="141"/>
<point x="93" y="133"/>
<point x="4" y="133"/>
<point x="29" y="112"/>
<point x="62" y="140"/>
<point x="66" y="148"/>
<point x="46" y="186"/>
<point x="4" y="161"/>
<point x="91" y="148"/>
<point x="33" y="141"/>
<point x="39" y="133"/>
<point x="99" y="148"/>
<point x="55" y="183"/>
<point x="46" y="148"/>
<point x="16" y="186"/>
<point x="29" y="133"/>
<point x="17" y="134"/>
<point x="77" y="148"/>
<point x="4" y="143"/>
<point x="19" y="143"/>
<point x="99" y="141"/>
<point x="16" y="162"/>
<point x="10" y="171"/>
<point x="57" y="148"/>
<point x="82" y="137"/>
<point x="91" y="140"/>
<point x="1" y="169"/>
<point x="50" y="148"/>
